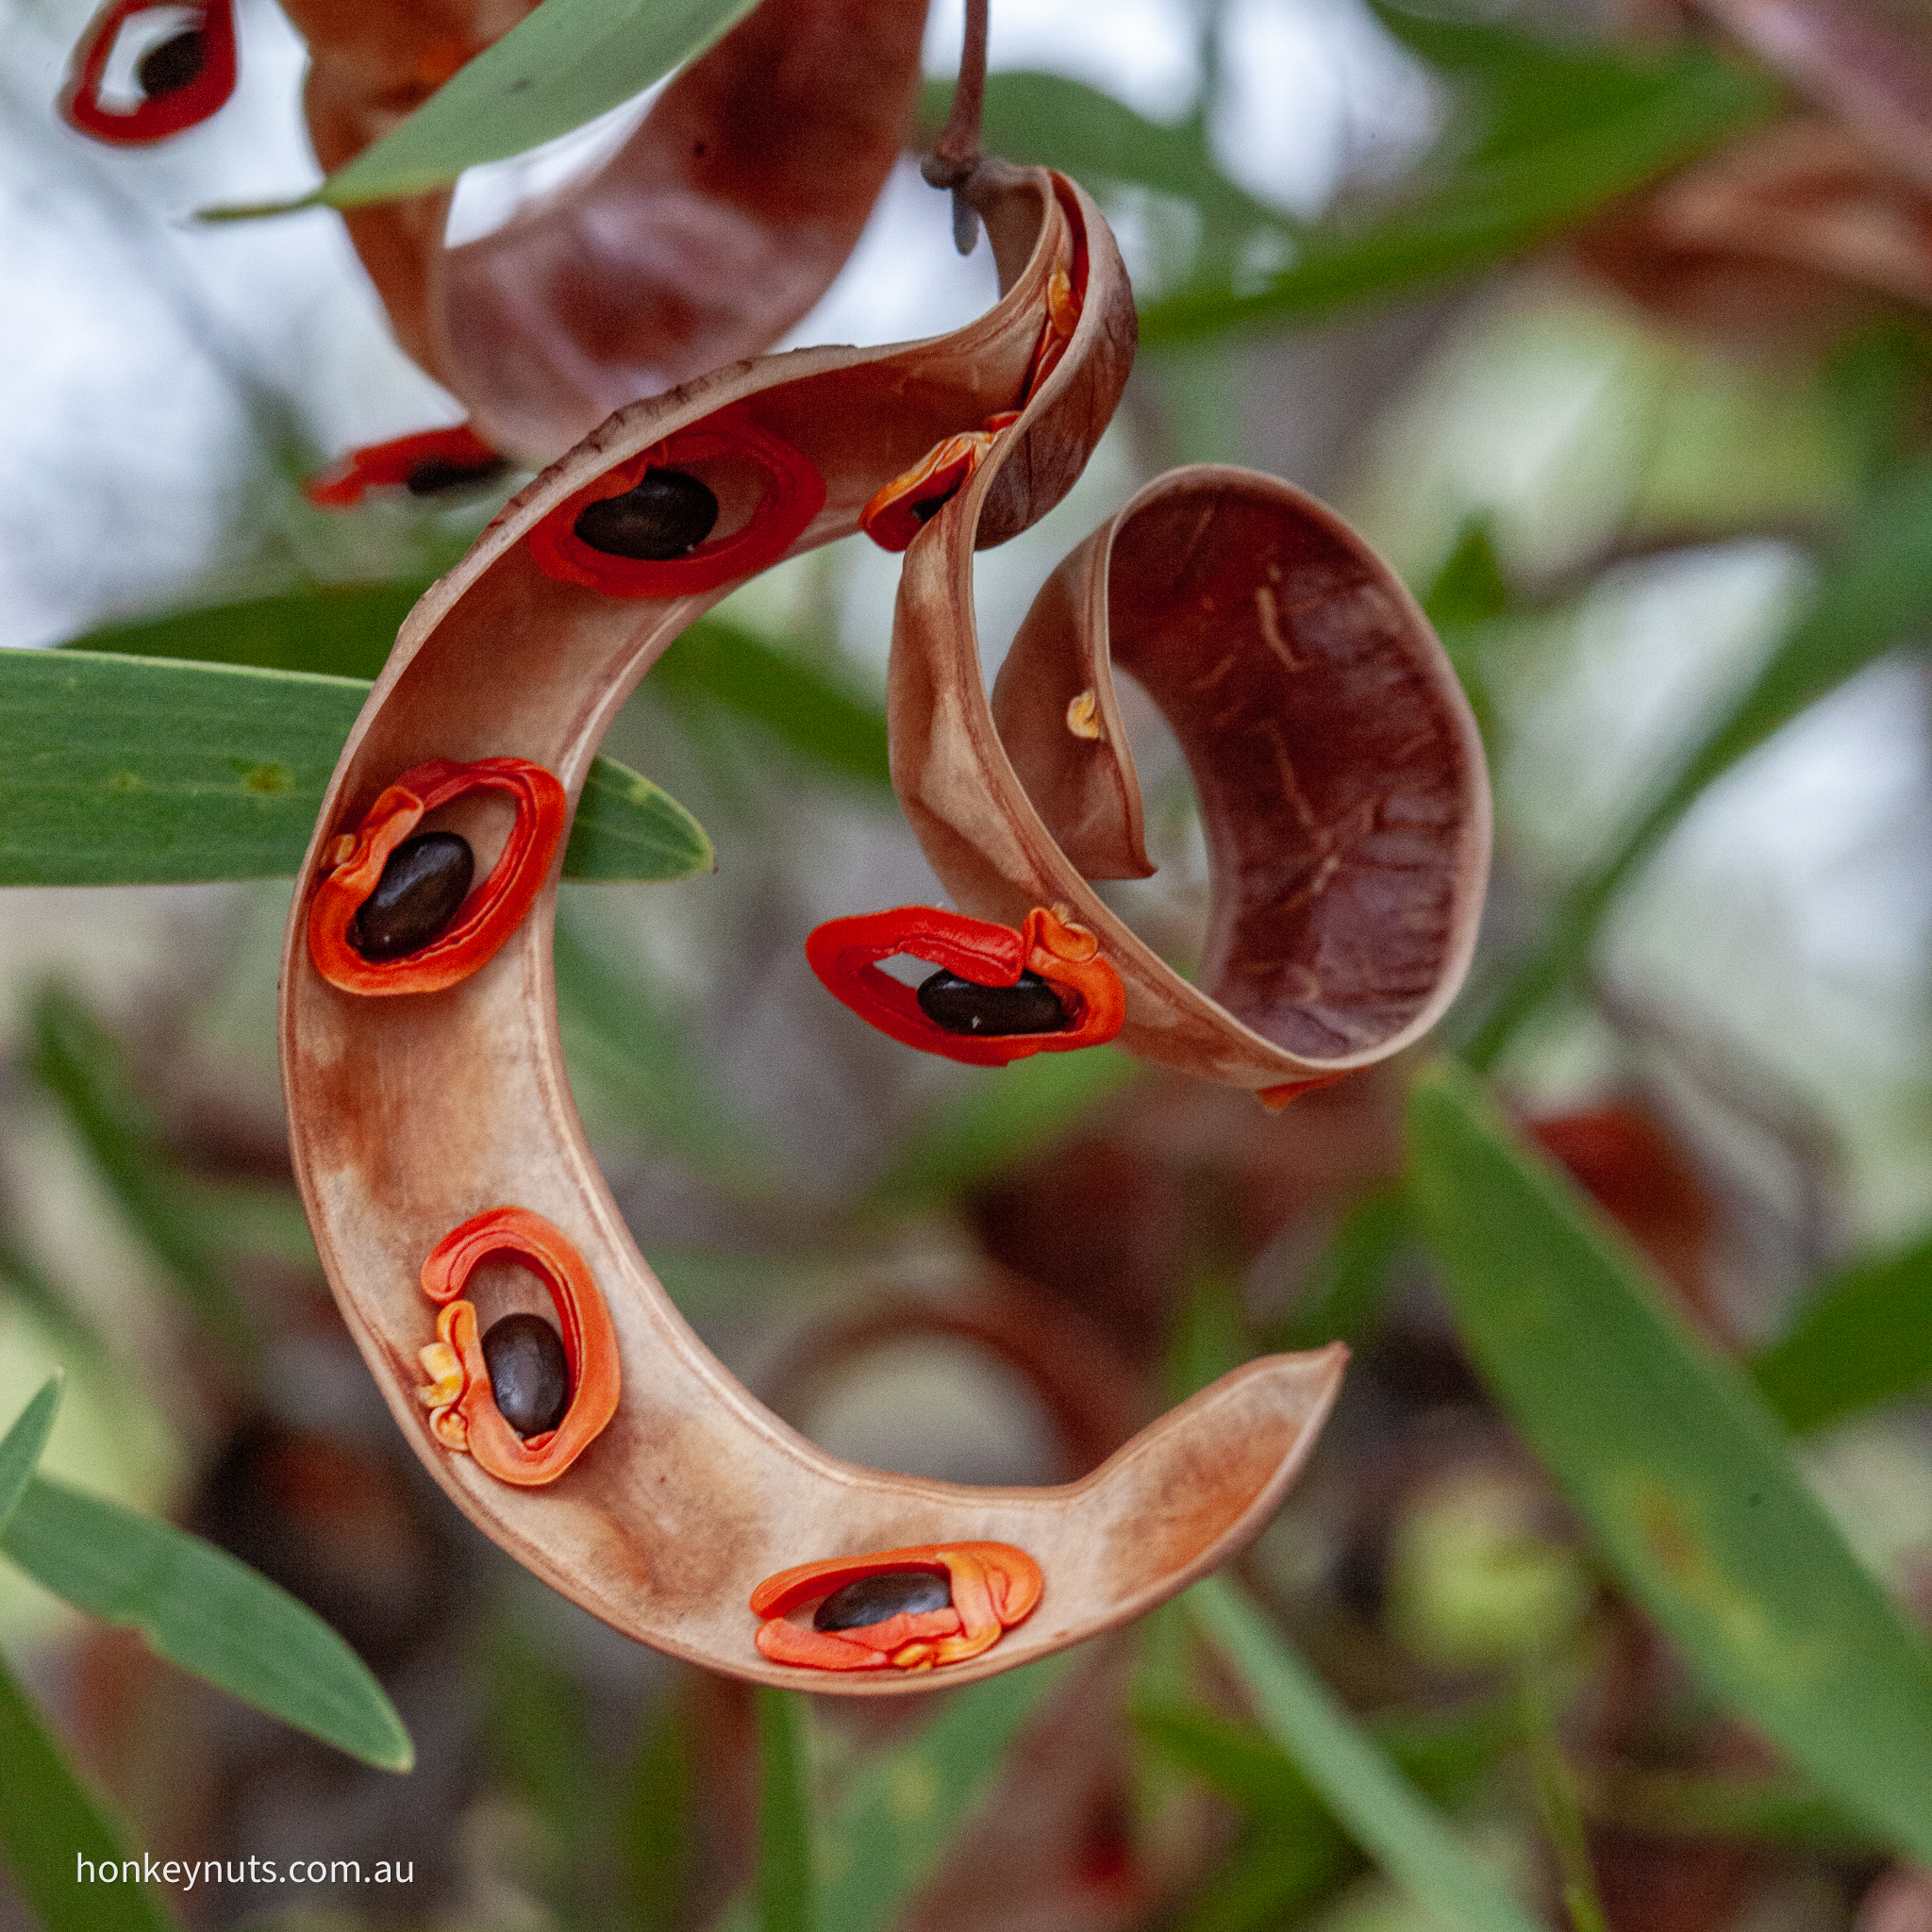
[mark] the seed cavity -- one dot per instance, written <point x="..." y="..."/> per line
<point x="529" y="1372"/>
<point x="435" y="475"/>
<point x="927" y="508"/>
<point x="172" y="64"/>
<point x="667" y="516"/>
<point x="873" y="1599"/>
<point x="425" y="881"/>
<point x="963" y="1006"/>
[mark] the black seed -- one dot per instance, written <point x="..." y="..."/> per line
<point x="873" y="1599"/>
<point x="438" y="474"/>
<point x="426" y="879"/>
<point x="928" y="508"/>
<point x="963" y="1006"/>
<point x="666" y="516"/>
<point x="529" y="1372"/>
<point x="170" y="65"/>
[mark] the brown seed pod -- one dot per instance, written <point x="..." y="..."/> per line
<point x="409" y="1115"/>
<point x="1341" y="778"/>
<point x="711" y="230"/>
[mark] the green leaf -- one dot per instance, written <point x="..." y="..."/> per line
<point x="1675" y="1463"/>
<point x="1562" y="132"/>
<point x="1866" y="1337"/>
<point x="1875" y="593"/>
<point x="20" y="1448"/>
<point x="785" y="1865"/>
<point x="337" y="630"/>
<point x="93" y="794"/>
<point x="1380" y="1809"/>
<point x="568" y="62"/>
<point x="50" y="1822"/>
<point x="815" y="713"/>
<point x="82" y="1065"/>
<point x="654" y="1836"/>
<point x="200" y="1608"/>
<point x="904" y="1805"/>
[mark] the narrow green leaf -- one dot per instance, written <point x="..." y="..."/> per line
<point x="1875" y="594"/>
<point x="54" y="1832"/>
<point x="1675" y="1463"/>
<point x="1380" y="1810"/>
<point x="1567" y="132"/>
<point x="1866" y="1337"/>
<point x="82" y="1065"/>
<point x="1272" y="1879"/>
<point x="814" y="712"/>
<point x="568" y="62"/>
<point x="200" y="1608"/>
<point x="905" y="1805"/>
<point x="20" y="1448"/>
<point x="334" y="630"/>
<point x="93" y="794"/>
<point x="628" y="829"/>
<point x="786" y="1902"/>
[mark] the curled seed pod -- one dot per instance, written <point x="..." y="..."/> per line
<point x="504" y="647"/>
<point x="712" y="230"/>
<point x="873" y="1599"/>
<point x="421" y="888"/>
<point x="666" y="514"/>
<point x="963" y="1006"/>
<point x="529" y="1374"/>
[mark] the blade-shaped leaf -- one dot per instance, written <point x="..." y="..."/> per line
<point x="82" y="1065"/>
<point x="54" y="1832"/>
<point x="1379" y="1808"/>
<point x="1865" y="1337"/>
<point x="785" y="1864"/>
<point x="905" y="1805"/>
<point x="1564" y="132"/>
<point x="1676" y="1465"/>
<point x="346" y="631"/>
<point x="568" y="62"/>
<point x="202" y="1609"/>
<point x="20" y="1448"/>
<point x="153" y="770"/>
<point x="1875" y="594"/>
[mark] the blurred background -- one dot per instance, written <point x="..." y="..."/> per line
<point x="1630" y="384"/>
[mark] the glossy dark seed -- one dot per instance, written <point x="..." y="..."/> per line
<point x="963" y="1006"/>
<point x="438" y="474"/>
<point x="170" y="65"/>
<point x="928" y="508"/>
<point x="873" y="1599"/>
<point x="420" y="888"/>
<point x="529" y="1372"/>
<point x="666" y="516"/>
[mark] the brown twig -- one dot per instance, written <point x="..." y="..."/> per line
<point x="955" y="155"/>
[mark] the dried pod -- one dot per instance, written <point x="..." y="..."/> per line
<point x="405" y="1112"/>
<point x="1341" y="778"/>
<point x="719" y="222"/>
